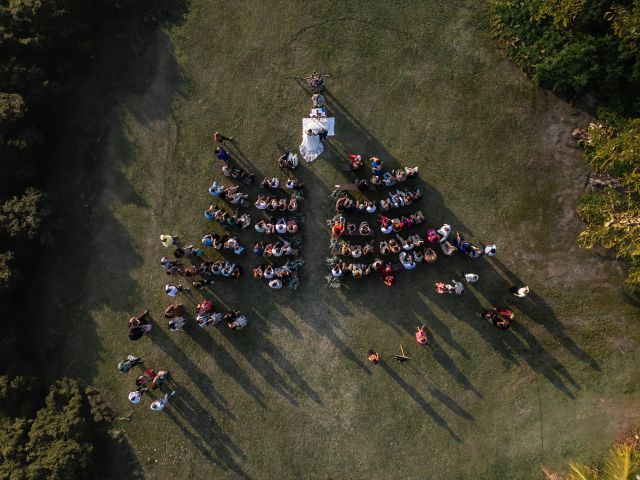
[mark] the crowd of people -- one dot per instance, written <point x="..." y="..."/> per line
<point x="411" y="250"/>
<point x="191" y="263"/>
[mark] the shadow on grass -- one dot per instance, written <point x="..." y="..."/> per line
<point x="204" y="432"/>
<point x="420" y="400"/>
<point x="520" y="343"/>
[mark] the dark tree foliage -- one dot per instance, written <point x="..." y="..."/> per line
<point x="576" y="47"/>
<point x="46" y="46"/>
<point x="55" y="443"/>
<point x="579" y="48"/>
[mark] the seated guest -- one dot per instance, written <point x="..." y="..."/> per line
<point x="447" y="248"/>
<point x="364" y="229"/>
<point x="276" y="283"/>
<point x="356" y="161"/>
<point x="207" y="240"/>
<point x="407" y="261"/>
<point x="258" y="248"/>
<point x="216" y="189"/>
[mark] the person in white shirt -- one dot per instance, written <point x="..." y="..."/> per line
<point x="158" y="405"/>
<point x="172" y="290"/>
<point x="520" y="291"/>
<point x="135" y="397"/>
<point x="276" y="283"/>
<point x="490" y="250"/>
<point x="471" y="277"/>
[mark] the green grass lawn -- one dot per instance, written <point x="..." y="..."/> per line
<point x="293" y="396"/>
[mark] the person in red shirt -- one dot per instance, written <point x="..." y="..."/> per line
<point x="373" y="356"/>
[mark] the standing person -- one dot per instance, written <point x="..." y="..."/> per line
<point x="135" y="397"/>
<point x="373" y="356"/>
<point x="223" y="155"/>
<point x="318" y="100"/>
<point x="520" y="291"/>
<point x="158" y="405"/>
<point x="421" y="336"/>
<point x="376" y="167"/>
<point x="173" y="310"/>
<point x="220" y="138"/>
<point x="176" y="324"/>
<point x="173" y="290"/>
<point x="166" y="240"/>
<point x="139" y="325"/>
<point x="471" y="277"/>
<point x="139" y="319"/>
<point x="130" y="362"/>
<point x="323" y="134"/>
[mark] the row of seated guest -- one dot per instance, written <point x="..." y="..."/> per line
<point x="269" y="272"/>
<point x="280" y="226"/>
<point x="400" y="199"/>
<point x="458" y="244"/>
<point x="347" y="204"/>
<point x="342" y="227"/>
<point x="277" y="249"/>
<point x="226" y="219"/>
<point x="206" y="316"/>
<point x="355" y="251"/>
<point x="273" y="204"/>
<point x="393" y="246"/>
<point x="356" y="270"/>
<point x="224" y="268"/>
<point x="224" y="242"/>
<point x="231" y="194"/>
<point x="237" y="173"/>
<point x="274" y="183"/>
<point x="409" y="260"/>
<point x="389" y="179"/>
<point x="389" y="225"/>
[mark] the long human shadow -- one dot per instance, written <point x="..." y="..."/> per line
<point x="265" y="356"/>
<point x="224" y="361"/>
<point x="437" y="392"/>
<point x="197" y="376"/>
<point x="209" y="438"/>
<point x="420" y="400"/>
<point x="447" y="363"/>
<point x="540" y="312"/>
<point x="510" y="347"/>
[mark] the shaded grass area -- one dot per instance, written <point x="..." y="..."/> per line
<point x="293" y="396"/>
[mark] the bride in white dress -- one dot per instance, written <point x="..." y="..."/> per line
<point x="311" y="146"/>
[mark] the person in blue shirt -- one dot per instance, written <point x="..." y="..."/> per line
<point x="222" y="154"/>
<point x="207" y="240"/>
<point x="376" y="166"/>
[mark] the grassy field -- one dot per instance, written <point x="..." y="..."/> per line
<point x="293" y="396"/>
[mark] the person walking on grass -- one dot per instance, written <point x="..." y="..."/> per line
<point x="130" y="362"/>
<point x="222" y="154"/>
<point x="220" y="138"/>
<point x="158" y="405"/>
